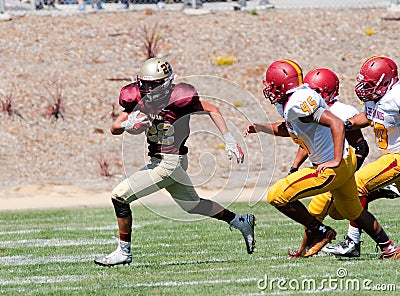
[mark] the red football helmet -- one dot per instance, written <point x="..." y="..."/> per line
<point x="376" y="77"/>
<point x="325" y="82"/>
<point x="281" y="77"/>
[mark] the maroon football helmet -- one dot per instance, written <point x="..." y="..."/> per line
<point x="376" y="77"/>
<point x="325" y="82"/>
<point x="281" y="77"/>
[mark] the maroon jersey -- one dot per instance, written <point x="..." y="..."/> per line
<point x="169" y="127"/>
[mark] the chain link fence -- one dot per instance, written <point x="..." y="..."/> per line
<point x="15" y="5"/>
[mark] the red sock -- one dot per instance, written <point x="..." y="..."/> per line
<point x="125" y="236"/>
<point x="364" y="203"/>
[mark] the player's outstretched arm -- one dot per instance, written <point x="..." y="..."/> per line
<point x="216" y="116"/>
<point x="232" y="148"/>
<point x="357" y="122"/>
<point x="277" y="129"/>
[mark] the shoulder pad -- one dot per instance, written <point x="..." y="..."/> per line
<point x="129" y="96"/>
<point x="182" y="94"/>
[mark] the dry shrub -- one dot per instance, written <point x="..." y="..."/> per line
<point x="104" y="164"/>
<point x="114" y="113"/>
<point x="56" y="106"/>
<point x="7" y="105"/>
<point x="151" y="41"/>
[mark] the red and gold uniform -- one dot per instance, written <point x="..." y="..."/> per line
<point x="384" y="116"/>
<point x="322" y="205"/>
<point x="317" y="140"/>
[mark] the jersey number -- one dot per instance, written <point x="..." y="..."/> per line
<point x="381" y="135"/>
<point x="162" y="133"/>
<point x="310" y="106"/>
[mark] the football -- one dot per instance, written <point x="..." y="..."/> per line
<point x="139" y="127"/>
<point x="142" y="126"/>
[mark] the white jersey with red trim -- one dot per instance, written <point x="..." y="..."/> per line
<point x="302" y="124"/>
<point x="343" y="111"/>
<point x="385" y="117"/>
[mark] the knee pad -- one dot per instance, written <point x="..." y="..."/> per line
<point x="122" y="210"/>
<point x="362" y="150"/>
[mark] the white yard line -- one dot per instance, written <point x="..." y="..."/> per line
<point x="54" y="243"/>
<point x="23" y="231"/>
<point x="77" y="278"/>
<point x="44" y="280"/>
<point x="193" y="283"/>
<point x="32" y="260"/>
<point x="20" y="231"/>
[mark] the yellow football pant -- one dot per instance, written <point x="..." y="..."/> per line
<point x="384" y="171"/>
<point x="379" y="173"/>
<point x="307" y="182"/>
<point x="322" y="205"/>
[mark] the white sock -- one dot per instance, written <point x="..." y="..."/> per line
<point x="125" y="246"/>
<point x="354" y="234"/>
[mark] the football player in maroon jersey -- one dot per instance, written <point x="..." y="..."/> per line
<point x="165" y="109"/>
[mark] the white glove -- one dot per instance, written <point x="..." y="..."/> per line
<point x="233" y="148"/>
<point x="134" y="122"/>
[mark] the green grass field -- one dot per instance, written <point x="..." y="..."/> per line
<point x="52" y="252"/>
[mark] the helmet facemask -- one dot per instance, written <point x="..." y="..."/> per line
<point x="269" y="93"/>
<point x="369" y="91"/>
<point x="377" y="75"/>
<point x="273" y="93"/>
<point x="155" y="90"/>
